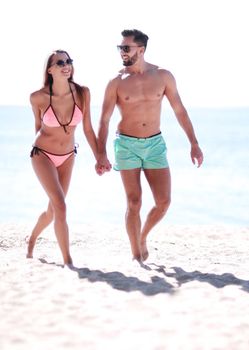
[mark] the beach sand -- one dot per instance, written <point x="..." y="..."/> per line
<point x="191" y="294"/>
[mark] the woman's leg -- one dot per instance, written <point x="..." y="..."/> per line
<point x="43" y="221"/>
<point x="55" y="182"/>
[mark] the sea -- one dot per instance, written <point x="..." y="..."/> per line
<point x="217" y="193"/>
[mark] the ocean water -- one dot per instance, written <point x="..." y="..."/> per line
<point x="216" y="193"/>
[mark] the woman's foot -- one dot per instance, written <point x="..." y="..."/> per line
<point x="144" y="250"/>
<point x="68" y="261"/>
<point x="30" y="247"/>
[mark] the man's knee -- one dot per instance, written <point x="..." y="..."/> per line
<point x="134" y="204"/>
<point x="163" y="205"/>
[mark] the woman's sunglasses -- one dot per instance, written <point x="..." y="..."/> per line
<point x="61" y="63"/>
<point x="126" y="48"/>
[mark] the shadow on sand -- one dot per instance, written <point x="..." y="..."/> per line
<point x="158" y="284"/>
<point x="218" y="281"/>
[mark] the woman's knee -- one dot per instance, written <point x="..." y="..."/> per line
<point x="59" y="209"/>
<point x="47" y="216"/>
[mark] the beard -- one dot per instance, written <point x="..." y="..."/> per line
<point x="130" y="61"/>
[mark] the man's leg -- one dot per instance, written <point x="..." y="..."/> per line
<point x="132" y="186"/>
<point x="160" y="184"/>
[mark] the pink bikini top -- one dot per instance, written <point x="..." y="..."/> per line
<point x="50" y="118"/>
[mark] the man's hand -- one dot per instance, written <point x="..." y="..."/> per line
<point x="196" y="155"/>
<point x="103" y="165"/>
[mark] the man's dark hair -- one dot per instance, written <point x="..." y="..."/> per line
<point x="139" y="37"/>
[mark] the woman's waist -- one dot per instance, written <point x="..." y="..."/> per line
<point x="54" y="145"/>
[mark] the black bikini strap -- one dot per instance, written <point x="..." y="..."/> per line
<point x="71" y="92"/>
<point x="50" y="93"/>
<point x="75" y="148"/>
<point x="35" y="150"/>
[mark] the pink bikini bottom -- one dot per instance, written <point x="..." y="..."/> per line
<point x="56" y="159"/>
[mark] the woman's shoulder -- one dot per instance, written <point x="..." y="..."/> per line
<point x="86" y="93"/>
<point x="82" y="90"/>
<point x="85" y="89"/>
<point x="39" y="96"/>
<point x="77" y="86"/>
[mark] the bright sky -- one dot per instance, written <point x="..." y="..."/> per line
<point x="204" y="43"/>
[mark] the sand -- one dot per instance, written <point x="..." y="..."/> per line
<point x="191" y="294"/>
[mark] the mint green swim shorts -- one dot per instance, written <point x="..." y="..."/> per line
<point x="147" y="153"/>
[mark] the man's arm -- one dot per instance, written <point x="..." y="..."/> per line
<point x="108" y="106"/>
<point x="181" y="113"/>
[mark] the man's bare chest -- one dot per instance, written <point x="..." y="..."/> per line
<point x="136" y="89"/>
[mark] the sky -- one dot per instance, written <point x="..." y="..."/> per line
<point x="204" y="43"/>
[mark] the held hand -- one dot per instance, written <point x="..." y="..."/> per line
<point x="103" y="165"/>
<point x="196" y="155"/>
<point x="99" y="169"/>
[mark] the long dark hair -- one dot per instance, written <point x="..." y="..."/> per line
<point x="48" y="78"/>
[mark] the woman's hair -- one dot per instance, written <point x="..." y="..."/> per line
<point x="48" y="78"/>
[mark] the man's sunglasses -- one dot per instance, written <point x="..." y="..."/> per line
<point x="127" y="48"/>
<point x="61" y="63"/>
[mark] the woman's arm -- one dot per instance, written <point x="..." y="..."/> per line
<point x="34" y="100"/>
<point x="87" y="123"/>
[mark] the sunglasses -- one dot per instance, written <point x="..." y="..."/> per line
<point x="61" y="63"/>
<point x="126" y="48"/>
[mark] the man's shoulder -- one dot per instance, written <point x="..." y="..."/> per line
<point x="116" y="78"/>
<point x="163" y="71"/>
<point x="119" y="74"/>
<point x="156" y="69"/>
<point x="165" y="75"/>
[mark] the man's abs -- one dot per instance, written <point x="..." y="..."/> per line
<point x="139" y="128"/>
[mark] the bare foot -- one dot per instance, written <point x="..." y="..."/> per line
<point x="144" y="250"/>
<point x="30" y="247"/>
<point x="70" y="266"/>
<point x="136" y="251"/>
<point x="68" y="261"/>
<point x="138" y="258"/>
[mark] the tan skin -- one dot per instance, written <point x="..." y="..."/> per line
<point x="56" y="180"/>
<point x="138" y="91"/>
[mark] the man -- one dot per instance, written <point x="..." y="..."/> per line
<point x="138" y="91"/>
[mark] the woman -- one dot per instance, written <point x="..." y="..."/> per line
<point x="58" y="108"/>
